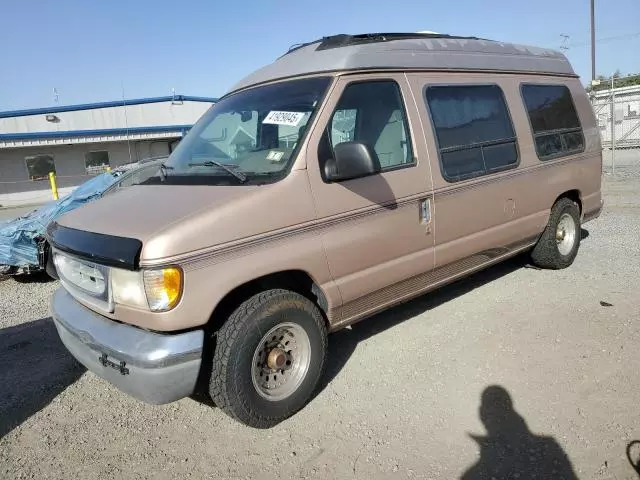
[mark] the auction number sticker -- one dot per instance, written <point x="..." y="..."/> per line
<point x="284" y="118"/>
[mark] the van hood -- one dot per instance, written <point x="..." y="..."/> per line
<point x="174" y="220"/>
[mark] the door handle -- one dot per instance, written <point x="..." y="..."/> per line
<point x="425" y="214"/>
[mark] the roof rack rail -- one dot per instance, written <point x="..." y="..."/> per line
<point x="344" y="40"/>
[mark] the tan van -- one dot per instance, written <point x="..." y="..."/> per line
<point x="352" y="174"/>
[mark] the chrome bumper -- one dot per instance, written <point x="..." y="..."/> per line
<point x="151" y="367"/>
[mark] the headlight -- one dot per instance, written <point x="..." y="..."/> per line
<point x="127" y="288"/>
<point x="158" y="290"/>
<point x="163" y="288"/>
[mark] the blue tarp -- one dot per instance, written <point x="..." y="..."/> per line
<point x="18" y="244"/>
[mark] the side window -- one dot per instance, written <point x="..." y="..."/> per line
<point x="554" y="121"/>
<point x="343" y="126"/>
<point x="473" y="129"/>
<point x="373" y="113"/>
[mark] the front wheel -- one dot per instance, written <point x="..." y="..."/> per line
<point x="269" y="358"/>
<point x="558" y="245"/>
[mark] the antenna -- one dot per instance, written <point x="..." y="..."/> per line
<point x="564" y="46"/>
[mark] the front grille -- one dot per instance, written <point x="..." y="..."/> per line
<point x="87" y="281"/>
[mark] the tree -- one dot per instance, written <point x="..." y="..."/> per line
<point x="619" y="81"/>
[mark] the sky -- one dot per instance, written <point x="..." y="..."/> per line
<point x="96" y="51"/>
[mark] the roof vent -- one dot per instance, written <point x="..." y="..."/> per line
<point x="344" y="40"/>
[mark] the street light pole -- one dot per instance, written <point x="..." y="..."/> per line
<point x="593" y="42"/>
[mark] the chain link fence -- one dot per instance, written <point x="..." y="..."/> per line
<point x="618" y="115"/>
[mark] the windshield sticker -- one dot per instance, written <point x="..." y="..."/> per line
<point x="284" y="118"/>
<point x="275" y="156"/>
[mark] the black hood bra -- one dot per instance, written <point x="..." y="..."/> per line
<point x="109" y="250"/>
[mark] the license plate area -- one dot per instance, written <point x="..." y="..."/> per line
<point x="120" y="367"/>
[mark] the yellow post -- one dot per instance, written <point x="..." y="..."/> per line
<point x="54" y="187"/>
<point x="108" y="168"/>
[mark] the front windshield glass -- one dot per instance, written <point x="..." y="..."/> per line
<point x="249" y="136"/>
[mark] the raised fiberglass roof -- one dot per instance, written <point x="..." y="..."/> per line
<point x="409" y="51"/>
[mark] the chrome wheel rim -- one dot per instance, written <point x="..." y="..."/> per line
<point x="281" y="361"/>
<point x="566" y="234"/>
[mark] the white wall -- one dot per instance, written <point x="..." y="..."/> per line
<point x="145" y="115"/>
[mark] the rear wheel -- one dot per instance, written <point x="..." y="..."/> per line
<point x="558" y="245"/>
<point x="269" y="358"/>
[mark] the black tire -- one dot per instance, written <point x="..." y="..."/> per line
<point x="546" y="253"/>
<point x="231" y="386"/>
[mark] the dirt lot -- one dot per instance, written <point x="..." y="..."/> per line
<point x="403" y="392"/>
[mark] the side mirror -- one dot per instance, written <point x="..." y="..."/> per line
<point x="352" y="160"/>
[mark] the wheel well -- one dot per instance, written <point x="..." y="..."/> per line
<point x="295" y="280"/>
<point x="572" y="195"/>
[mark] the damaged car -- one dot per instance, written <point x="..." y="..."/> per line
<point x="23" y="247"/>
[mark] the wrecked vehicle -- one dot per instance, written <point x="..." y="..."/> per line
<point x="23" y="247"/>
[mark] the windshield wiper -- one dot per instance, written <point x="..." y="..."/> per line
<point x="228" y="168"/>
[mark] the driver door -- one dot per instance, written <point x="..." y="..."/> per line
<point x="376" y="230"/>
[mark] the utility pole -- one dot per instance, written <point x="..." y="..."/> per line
<point x="593" y="41"/>
<point x="613" y="127"/>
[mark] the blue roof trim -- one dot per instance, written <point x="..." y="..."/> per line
<point x="94" y="133"/>
<point x="93" y="106"/>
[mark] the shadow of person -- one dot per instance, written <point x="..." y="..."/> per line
<point x="510" y="450"/>
<point x="633" y="455"/>
<point x="36" y="367"/>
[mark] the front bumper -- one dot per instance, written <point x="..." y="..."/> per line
<point x="152" y="367"/>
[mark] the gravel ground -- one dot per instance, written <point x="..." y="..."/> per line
<point x="402" y="395"/>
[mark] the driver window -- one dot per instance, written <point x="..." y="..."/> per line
<point x="373" y="113"/>
<point x="343" y="126"/>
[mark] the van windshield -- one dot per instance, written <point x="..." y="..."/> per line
<point x="251" y="136"/>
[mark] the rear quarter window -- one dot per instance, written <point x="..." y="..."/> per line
<point x="554" y="121"/>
